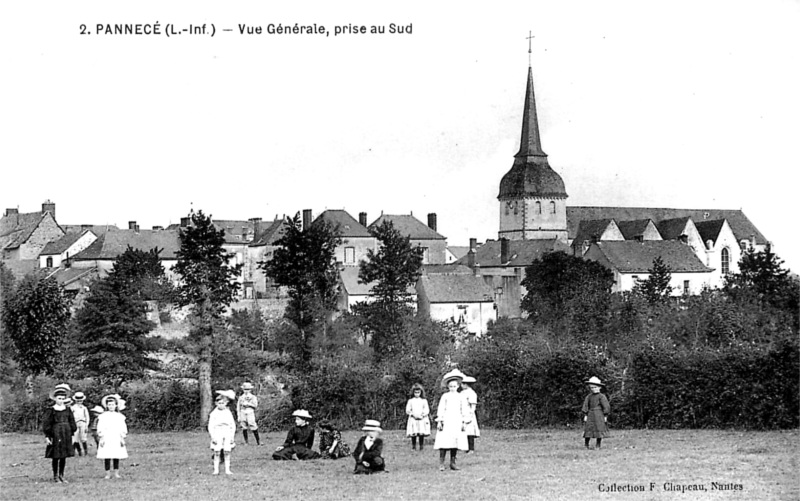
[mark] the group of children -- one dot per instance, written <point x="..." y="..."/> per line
<point x="66" y="428"/>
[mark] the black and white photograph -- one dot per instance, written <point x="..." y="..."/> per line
<point x="325" y="250"/>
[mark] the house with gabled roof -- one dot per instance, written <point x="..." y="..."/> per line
<point x="631" y="260"/>
<point x="593" y="231"/>
<point x="462" y="298"/>
<point x="262" y="247"/>
<point x="723" y="251"/>
<point x="107" y="247"/>
<point x="24" y="235"/>
<point x="54" y="253"/>
<point x="356" y="238"/>
<point x="434" y="245"/>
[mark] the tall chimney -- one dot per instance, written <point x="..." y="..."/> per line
<point x="504" y="251"/>
<point x="158" y="228"/>
<point x="473" y="243"/>
<point x="471" y="258"/>
<point x="50" y="207"/>
<point x="131" y="225"/>
<point x="362" y="218"/>
<point x="13" y="215"/>
<point x="432" y="221"/>
<point x="185" y="222"/>
<point x="306" y="219"/>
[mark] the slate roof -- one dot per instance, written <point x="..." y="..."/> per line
<point x="521" y="252"/>
<point x="410" y="226"/>
<point x="21" y="267"/>
<point x="97" y="229"/>
<point x="349" y="277"/>
<point x="270" y="234"/>
<point x="465" y="288"/>
<point x="637" y="257"/>
<point x="348" y="226"/>
<point x="709" y="230"/>
<point x="458" y="251"/>
<point x="113" y="243"/>
<point x="671" y="229"/>
<point x="633" y="229"/>
<point x="236" y="231"/>
<point x="446" y="269"/>
<point x="740" y="225"/>
<point x="62" y="244"/>
<point x="68" y="276"/>
<point x="16" y="229"/>
<point x="589" y="229"/>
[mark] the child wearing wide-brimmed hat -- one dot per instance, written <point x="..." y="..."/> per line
<point x="94" y="413"/>
<point x="369" y="450"/>
<point x="418" y="411"/>
<point x="246" y="407"/>
<point x="81" y="415"/>
<point x="469" y="394"/>
<point x="222" y="429"/>
<point x="595" y="413"/>
<point x="112" y="432"/>
<point x="299" y="441"/>
<point x="452" y="417"/>
<point x="58" y="427"/>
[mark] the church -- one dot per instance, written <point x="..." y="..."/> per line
<point x="700" y="246"/>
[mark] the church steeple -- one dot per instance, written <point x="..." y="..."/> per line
<point x="530" y="143"/>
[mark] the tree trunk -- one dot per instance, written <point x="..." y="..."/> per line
<point x="204" y="372"/>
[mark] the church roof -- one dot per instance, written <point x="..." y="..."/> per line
<point x="520" y="252"/>
<point x="593" y="228"/>
<point x="409" y="226"/>
<point x="347" y="225"/>
<point x="531" y="174"/>
<point x="739" y="223"/>
<point x="629" y="256"/>
<point x="709" y="230"/>
<point x="633" y="229"/>
<point x="671" y="229"/>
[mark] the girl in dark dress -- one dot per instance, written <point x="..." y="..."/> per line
<point x="59" y="426"/>
<point x="331" y="445"/>
<point x="595" y="410"/>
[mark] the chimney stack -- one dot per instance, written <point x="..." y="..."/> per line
<point x="131" y="225"/>
<point x="473" y="243"/>
<point x="306" y="219"/>
<point x="504" y="251"/>
<point x="50" y="207"/>
<point x="185" y="222"/>
<point x="432" y="221"/>
<point x="157" y="228"/>
<point x="362" y="218"/>
<point x="13" y="215"/>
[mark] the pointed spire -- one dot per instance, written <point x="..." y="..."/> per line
<point x="530" y="143"/>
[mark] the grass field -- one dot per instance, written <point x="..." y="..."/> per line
<point x="519" y="464"/>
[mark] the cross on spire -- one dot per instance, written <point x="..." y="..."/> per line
<point x="529" y="37"/>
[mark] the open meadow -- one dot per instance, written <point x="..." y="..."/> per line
<point x="509" y="464"/>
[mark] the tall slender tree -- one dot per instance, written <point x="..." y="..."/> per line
<point x="208" y="285"/>
<point x="655" y="288"/>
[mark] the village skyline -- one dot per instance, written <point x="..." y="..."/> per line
<point x="670" y="111"/>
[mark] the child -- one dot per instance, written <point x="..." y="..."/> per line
<point x="299" y="440"/>
<point x="368" y="450"/>
<point x="418" y="425"/>
<point x="95" y="413"/>
<point x="595" y="410"/>
<point x="222" y="429"/>
<point x="58" y="427"/>
<point x="112" y="430"/>
<point x="468" y="393"/>
<point x="331" y="445"/>
<point x="452" y="417"/>
<point x="81" y="415"/>
<point x="246" y="411"/>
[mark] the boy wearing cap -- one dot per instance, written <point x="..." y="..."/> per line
<point x="81" y="415"/>
<point x="369" y="449"/>
<point x="299" y="440"/>
<point x="246" y="407"/>
<point x="595" y="410"/>
<point x="222" y="429"/>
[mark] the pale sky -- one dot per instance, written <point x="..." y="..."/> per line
<point x="660" y="104"/>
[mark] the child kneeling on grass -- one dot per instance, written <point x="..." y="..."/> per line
<point x="369" y="449"/>
<point x="222" y="429"/>
<point x="299" y="441"/>
<point x="595" y="410"/>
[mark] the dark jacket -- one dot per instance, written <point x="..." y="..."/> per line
<point x="300" y="435"/>
<point x="372" y="456"/>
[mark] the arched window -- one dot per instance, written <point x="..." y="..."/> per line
<point x="538" y="208"/>
<point x="49" y="262"/>
<point x="726" y="261"/>
<point x="552" y="207"/>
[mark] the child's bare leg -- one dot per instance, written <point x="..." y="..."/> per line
<point x="216" y="463"/>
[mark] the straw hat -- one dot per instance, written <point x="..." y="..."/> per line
<point x="120" y="402"/>
<point x="79" y="396"/>
<point x="469" y="380"/>
<point x="371" y="425"/>
<point x="453" y="374"/>
<point x="301" y="413"/>
<point x="60" y="390"/>
<point x="247" y="386"/>
<point x="595" y="381"/>
<point x="229" y="394"/>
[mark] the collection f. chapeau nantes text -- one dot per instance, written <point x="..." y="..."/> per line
<point x="210" y="29"/>
<point x="676" y="487"/>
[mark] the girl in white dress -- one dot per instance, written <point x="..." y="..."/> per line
<point x="222" y="429"/>
<point x="469" y="394"/>
<point x="419" y="424"/>
<point x="452" y="417"/>
<point x="111" y="431"/>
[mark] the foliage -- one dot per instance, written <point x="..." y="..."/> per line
<point x="304" y="264"/>
<point x="35" y="315"/>
<point x="249" y="327"/>
<point x="209" y="285"/>
<point x="141" y="274"/>
<point x="568" y="292"/>
<point x="7" y="364"/>
<point x="655" y="288"/>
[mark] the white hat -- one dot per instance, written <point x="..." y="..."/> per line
<point x="453" y="374"/>
<point x="97" y="409"/>
<point x="120" y="402"/>
<point x="301" y="413"/>
<point x="78" y="396"/>
<point x="229" y="394"/>
<point x="371" y="425"/>
<point x="468" y="379"/>
<point x="247" y="386"/>
<point x="595" y="381"/>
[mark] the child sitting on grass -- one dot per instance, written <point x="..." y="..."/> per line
<point x="369" y="449"/>
<point x="331" y="445"/>
<point x="299" y="441"/>
<point x="222" y="429"/>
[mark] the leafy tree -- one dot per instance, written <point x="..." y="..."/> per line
<point x="393" y="269"/>
<point x="111" y="326"/>
<point x="655" y="288"/>
<point x="35" y="316"/>
<point x="570" y="293"/>
<point x="304" y="264"/>
<point x="7" y="364"/>
<point x="208" y="284"/>
<point x="250" y="329"/>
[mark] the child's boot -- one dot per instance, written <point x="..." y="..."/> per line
<point x="421" y="443"/>
<point x="258" y="439"/>
<point x="413" y="443"/>
<point x="85" y="448"/>
<point x="116" y="474"/>
<point x="244" y="432"/>
<point x="442" y="454"/>
<point x="453" y="466"/>
<point x="77" y="447"/>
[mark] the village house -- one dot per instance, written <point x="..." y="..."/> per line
<point x="356" y="238"/>
<point x="24" y="235"/>
<point x="433" y="244"/>
<point x="256" y="284"/>
<point x="58" y="252"/>
<point x="464" y="299"/>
